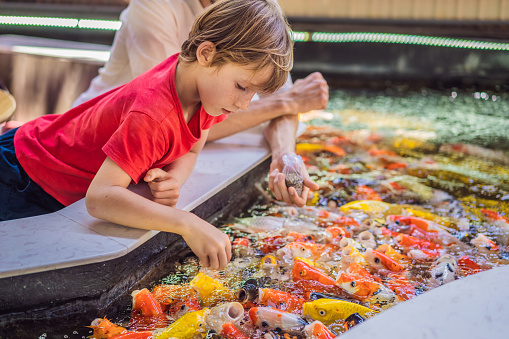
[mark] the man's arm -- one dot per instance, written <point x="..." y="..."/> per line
<point x="306" y="94"/>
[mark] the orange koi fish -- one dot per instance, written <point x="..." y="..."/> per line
<point x="334" y="234"/>
<point x="271" y="318"/>
<point x="147" y="313"/>
<point x="357" y="270"/>
<point x="408" y="241"/>
<point x="317" y="330"/>
<point x="364" y="192"/>
<point x="167" y="295"/>
<point x="311" y="251"/>
<point x="401" y="286"/>
<point x="389" y="251"/>
<point x="231" y="332"/>
<point x="467" y="266"/>
<point x="242" y="246"/>
<point x="283" y="301"/>
<point x="494" y="216"/>
<point x="304" y="271"/>
<point x="420" y="228"/>
<point x="360" y="288"/>
<point x="270" y="244"/>
<point x="103" y="329"/>
<point x="299" y="237"/>
<point x="369" y="291"/>
<point x="379" y="261"/>
<point x="180" y="308"/>
<point x="395" y="165"/>
<point x="134" y="335"/>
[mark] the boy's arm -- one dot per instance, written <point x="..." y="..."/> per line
<point x="108" y="198"/>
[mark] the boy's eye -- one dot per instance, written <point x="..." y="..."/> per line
<point x="240" y="87"/>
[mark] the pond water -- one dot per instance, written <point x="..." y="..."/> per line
<point x="414" y="194"/>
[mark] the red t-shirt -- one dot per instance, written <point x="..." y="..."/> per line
<point x="139" y="125"/>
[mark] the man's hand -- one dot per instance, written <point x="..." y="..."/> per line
<point x="310" y="93"/>
<point x="289" y="195"/>
<point x="164" y="188"/>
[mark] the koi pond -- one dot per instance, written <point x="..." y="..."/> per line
<point x="414" y="194"/>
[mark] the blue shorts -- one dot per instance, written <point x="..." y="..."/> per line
<point x="20" y="197"/>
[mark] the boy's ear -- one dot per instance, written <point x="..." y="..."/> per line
<point x="205" y="53"/>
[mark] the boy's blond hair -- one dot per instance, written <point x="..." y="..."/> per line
<point x="245" y="32"/>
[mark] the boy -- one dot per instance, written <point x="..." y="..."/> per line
<point x="160" y="120"/>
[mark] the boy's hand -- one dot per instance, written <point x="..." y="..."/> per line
<point x="289" y="195"/>
<point x="164" y="188"/>
<point x="210" y="245"/>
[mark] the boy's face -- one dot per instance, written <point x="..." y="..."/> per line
<point x="231" y="87"/>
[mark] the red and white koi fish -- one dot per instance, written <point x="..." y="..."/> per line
<point x="271" y="318"/>
<point x="444" y="270"/>
<point x="467" y="266"/>
<point x="316" y="252"/>
<point x="230" y="312"/>
<point x="483" y="243"/>
<point x="317" y="330"/>
<point x="334" y="234"/>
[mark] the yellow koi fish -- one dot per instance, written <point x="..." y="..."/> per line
<point x="211" y="291"/>
<point x="186" y="326"/>
<point x="330" y="310"/>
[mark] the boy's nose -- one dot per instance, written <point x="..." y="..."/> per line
<point x="243" y="102"/>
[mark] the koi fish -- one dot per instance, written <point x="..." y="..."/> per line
<point x="210" y="290"/>
<point x="467" y="266"/>
<point x="367" y="239"/>
<point x="352" y="320"/>
<point x="103" y="329"/>
<point x="179" y="308"/>
<point x="368" y="206"/>
<point x="444" y="270"/>
<point x="482" y="242"/>
<point x="231" y="312"/>
<point x="363" y="192"/>
<point x="271" y="318"/>
<point x="242" y="247"/>
<point x="389" y="251"/>
<point x="299" y="237"/>
<point x="357" y="270"/>
<point x="147" y="313"/>
<point x="304" y="271"/>
<point x="229" y="331"/>
<point x="334" y="234"/>
<point x="167" y="295"/>
<point x="311" y="251"/>
<point x="187" y="326"/>
<point x="301" y="148"/>
<point x="329" y="311"/>
<point x="270" y="244"/>
<point x="379" y="261"/>
<point x="262" y="224"/>
<point x="350" y="255"/>
<point x="369" y="291"/>
<point x="502" y="224"/>
<point x="400" y="285"/>
<point x="278" y="299"/>
<point x="407" y="241"/>
<point x="317" y="330"/>
<point x="358" y="287"/>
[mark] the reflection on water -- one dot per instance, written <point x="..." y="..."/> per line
<point x="410" y="198"/>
